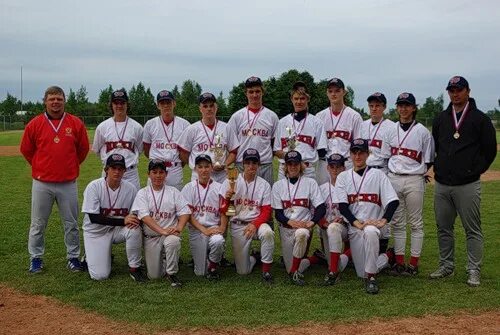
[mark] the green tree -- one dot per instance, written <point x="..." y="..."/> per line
<point x="142" y="101"/>
<point x="71" y="103"/>
<point x="222" y="111"/>
<point x="102" y="108"/>
<point x="10" y="105"/>
<point x="428" y="111"/>
<point x="187" y="100"/>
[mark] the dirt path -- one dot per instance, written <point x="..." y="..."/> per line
<point x="26" y="314"/>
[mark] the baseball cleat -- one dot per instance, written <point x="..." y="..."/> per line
<point x="174" y="281"/>
<point x="74" y="265"/>
<point x="297" y="278"/>
<point x="137" y="275"/>
<point x="371" y="285"/>
<point x="331" y="278"/>
<point x="190" y="264"/>
<point x="256" y="254"/>
<point x="36" y="265"/>
<point x="398" y="270"/>
<point x="474" y="278"/>
<point x="411" y="270"/>
<point x="267" y="278"/>
<point x="213" y="274"/>
<point x="441" y="272"/>
<point x="321" y="257"/>
<point x="225" y="263"/>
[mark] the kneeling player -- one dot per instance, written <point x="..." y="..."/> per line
<point x="364" y="194"/>
<point x="106" y="204"/>
<point x="252" y="199"/>
<point x="164" y="213"/>
<point x="206" y="238"/>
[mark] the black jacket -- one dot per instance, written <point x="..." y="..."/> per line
<point x="463" y="160"/>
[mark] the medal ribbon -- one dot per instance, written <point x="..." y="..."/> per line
<point x="358" y="190"/>
<point x="165" y="131"/>
<point x="199" y="194"/>
<point x="295" y="193"/>
<point x="455" y="122"/>
<point x="210" y="141"/>
<point x="376" y="130"/>
<point x="56" y="129"/>
<point x="157" y="208"/>
<point x="407" y="133"/>
<point x="303" y="122"/>
<point x="120" y="138"/>
<point x="112" y="205"/>
<point x="338" y="121"/>
<point x="254" y="120"/>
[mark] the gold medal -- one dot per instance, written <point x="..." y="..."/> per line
<point x="250" y="208"/>
<point x="249" y="133"/>
<point x="119" y="145"/>
<point x="56" y="139"/>
<point x="456" y="135"/>
<point x="201" y="214"/>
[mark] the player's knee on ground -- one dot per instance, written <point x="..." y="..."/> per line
<point x="102" y="274"/>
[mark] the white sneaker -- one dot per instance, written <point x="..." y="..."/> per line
<point x="474" y="278"/>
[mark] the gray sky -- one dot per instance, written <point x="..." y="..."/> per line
<point x="385" y="45"/>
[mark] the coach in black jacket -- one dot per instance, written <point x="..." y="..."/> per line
<point x="465" y="148"/>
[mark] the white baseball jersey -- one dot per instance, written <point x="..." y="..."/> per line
<point x="309" y="134"/>
<point x="203" y="200"/>
<point x="376" y="135"/>
<point x="367" y="195"/>
<point x="410" y="150"/>
<point x="254" y="131"/>
<point x="163" y="138"/>
<point x="98" y="198"/>
<point x="200" y="139"/>
<point x="331" y="195"/>
<point x="164" y="206"/>
<point x="248" y="197"/>
<point x="340" y="129"/>
<point x="124" y="138"/>
<point x="297" y="200"/>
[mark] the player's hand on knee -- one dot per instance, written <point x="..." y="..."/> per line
<point x="338" y="219"/>
<point x="380" y="223"/>
<point x="295" y="224"/>
<point x="308" y="224"/>
<point x="250" y="231"/>
<point x="132" y="221"/>
<point x="359" y="224"/>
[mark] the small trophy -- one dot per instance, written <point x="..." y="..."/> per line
<point x="232" y="175"/>
<point x="291" y="141"/>
<point x="219" y="152"/>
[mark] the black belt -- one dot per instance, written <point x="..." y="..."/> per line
<point x="150" y="236"/>
<point x="377" y="167"/>
<point x="239" y="222"/>
<point x="131" y="167"/>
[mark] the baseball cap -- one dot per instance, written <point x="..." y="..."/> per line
<point x="156" y="164"/>
<point x="293" y="156"/>
<point x="205" y="97"/>
<point x="253" y="81"/>
<point x="164" y="95"/>
<point x="202" y="157"/>
<point x="115" y="160"/>
<point x="336" y="82"/>
<point x="377" y="96"/>
<point x="299" y="84"/>
<point x="359" y="144"/>
<point x="335" y="159"/>
<point x="406" y="97"/>
<point x="251" y="155"/>
<point x="120" y="95"/>
<point x="457" y="81"/>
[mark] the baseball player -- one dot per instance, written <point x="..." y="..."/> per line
<point x="206" y="238"/>
<point x="252" y="200"/>
<point x="48" y="140"/>
<point x="368" y="201"/>
<point x="302" y="128"/>
<point x="164" y="213"/>
<point x="160" y="137"/>
<point x="120" y="135"/>
<point x="107" y="221"/>
<point x="255" y="126"/>
<point x="209" y="136"/>
<point x="341" y="123"/>
<point x="294" y="200"/>
<point x="412" y="152"/>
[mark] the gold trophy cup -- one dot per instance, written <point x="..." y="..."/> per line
<point x="232" y="175"/>
<point x="219" y="151"/>
<point x="291" y="141"/>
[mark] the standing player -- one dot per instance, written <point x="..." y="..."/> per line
<point x="412" y="153"/>
<point x="341" y="123"/>
<point x="307" y="131"/>
<point x="120" y="135"/>
<point x="201" y="138"/>
<point x="254" y="126"/>
<point x="252" y="200"/>
<point x="107" y="221"/>
<point x="164" y="213"/>
<point x="368" y="201"/>
<point x="48" y="140"/>
<point x="206" y="238"/>
<point x="160" y="137"/>
<point x="294" y="200"/>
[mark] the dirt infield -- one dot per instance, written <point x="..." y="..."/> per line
<point x="28" y="314"/>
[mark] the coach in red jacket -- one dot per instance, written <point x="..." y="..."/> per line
<point x="55" y="143"/>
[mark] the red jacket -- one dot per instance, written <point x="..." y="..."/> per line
<point x="50" y="161"/>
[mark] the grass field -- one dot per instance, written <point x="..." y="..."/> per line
<point x="236" y="300"/>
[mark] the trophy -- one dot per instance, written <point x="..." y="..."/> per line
<point x="291" y="141"/>
<point x="232" y="175"/>
<point x="219" y="152"/>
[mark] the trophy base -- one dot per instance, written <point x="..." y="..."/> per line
<point x="231" y="211"/>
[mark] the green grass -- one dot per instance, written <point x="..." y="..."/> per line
<point x="237" y="300"/>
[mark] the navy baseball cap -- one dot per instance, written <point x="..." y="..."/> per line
<point x="359" y="144"/>
<point x="299" y="84"/>
<point x="115" y="160"/>
<point x="336" y="82"/>
<point x="202" y="158"/>
<point x="157" y="164"/>
<point x="377" y="96"/>
<point x="406" y="98"/>
<point x="336" y="159"/>
<point x="164" y="95"/>
<point x="293" y="156"/>
<point x="119" y="95"/>
<point x="251" y="155"/>
<point x="206" y="97"/>
<point x="253" y="81"/>
<point x="458" y="82"/>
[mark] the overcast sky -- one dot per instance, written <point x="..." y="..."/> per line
<point x="382" y="45"/>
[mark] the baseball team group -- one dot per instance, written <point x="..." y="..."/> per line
<point x="353" y="183"/>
